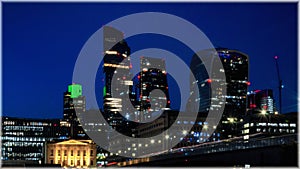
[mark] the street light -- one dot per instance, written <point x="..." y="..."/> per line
<point x="263" y="112"/>
<point x="231" y="120"/>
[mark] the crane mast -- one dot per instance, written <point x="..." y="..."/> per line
<point x="280" y="86"/>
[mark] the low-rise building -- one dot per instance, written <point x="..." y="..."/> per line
<point x="72" y="153"/>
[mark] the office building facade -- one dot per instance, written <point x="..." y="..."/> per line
<point x="261" y="101"/>
<point x="25" y="139"/>
<point x="262" y="125"/>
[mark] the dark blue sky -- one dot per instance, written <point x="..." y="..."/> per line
<point x="41" y="42"/>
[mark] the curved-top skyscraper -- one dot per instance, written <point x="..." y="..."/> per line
<point x="116" y="65"/>
<point x="235" y="67"/>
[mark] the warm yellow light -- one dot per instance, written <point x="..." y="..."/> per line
<point x="263" y="112"/>
<point x="231" y="120"/>
<point x="184" y="132"/>
<point x="276" y="112"/>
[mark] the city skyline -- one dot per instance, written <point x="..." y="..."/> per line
<point x="53" y="46"/>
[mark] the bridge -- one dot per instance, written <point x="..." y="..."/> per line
<point x="267" y="151"/>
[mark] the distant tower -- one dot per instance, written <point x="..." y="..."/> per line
<point x="261" y="100"/>
<point x="152" y="76"/>
<point x="73" y="99"/>
<point x="74" y="106"/>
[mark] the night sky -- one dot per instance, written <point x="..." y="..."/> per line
<point x="41" y="42"/>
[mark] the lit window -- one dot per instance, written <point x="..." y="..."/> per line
<point x="246" y="137"/>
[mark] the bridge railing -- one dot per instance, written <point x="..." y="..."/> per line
<point x="223" y="146"/>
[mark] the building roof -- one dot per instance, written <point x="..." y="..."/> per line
<point x="74" y="142"/>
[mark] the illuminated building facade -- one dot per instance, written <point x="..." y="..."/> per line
<point x="269" y="124"/>
<point x="152" y="76"/>
<point x="24" y="139"/>
<point x="235" y="67"/>
<point x="261" y="101"/>
<point x="74" y="105"/>
<point x="197" y="134"/>
<point x="73" y="99"/>
<point x="72" y="153"/>
<point x="116" y="66"/>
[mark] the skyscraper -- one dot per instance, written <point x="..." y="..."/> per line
<point x="116" y="69"/>
<point x="74" y="106"/>
<point x="235" y="67"/>
<point x="73" y="100"/>
<point x="152" y="76"/>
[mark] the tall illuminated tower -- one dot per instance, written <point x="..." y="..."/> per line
<point x="116" y="66"/>
<point x="235" y="67"/>
<point x="152" y="76"/>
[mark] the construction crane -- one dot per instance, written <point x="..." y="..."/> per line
<point x="280" y="85"/>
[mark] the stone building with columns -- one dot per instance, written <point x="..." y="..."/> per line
<point x="72" y="153"/>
